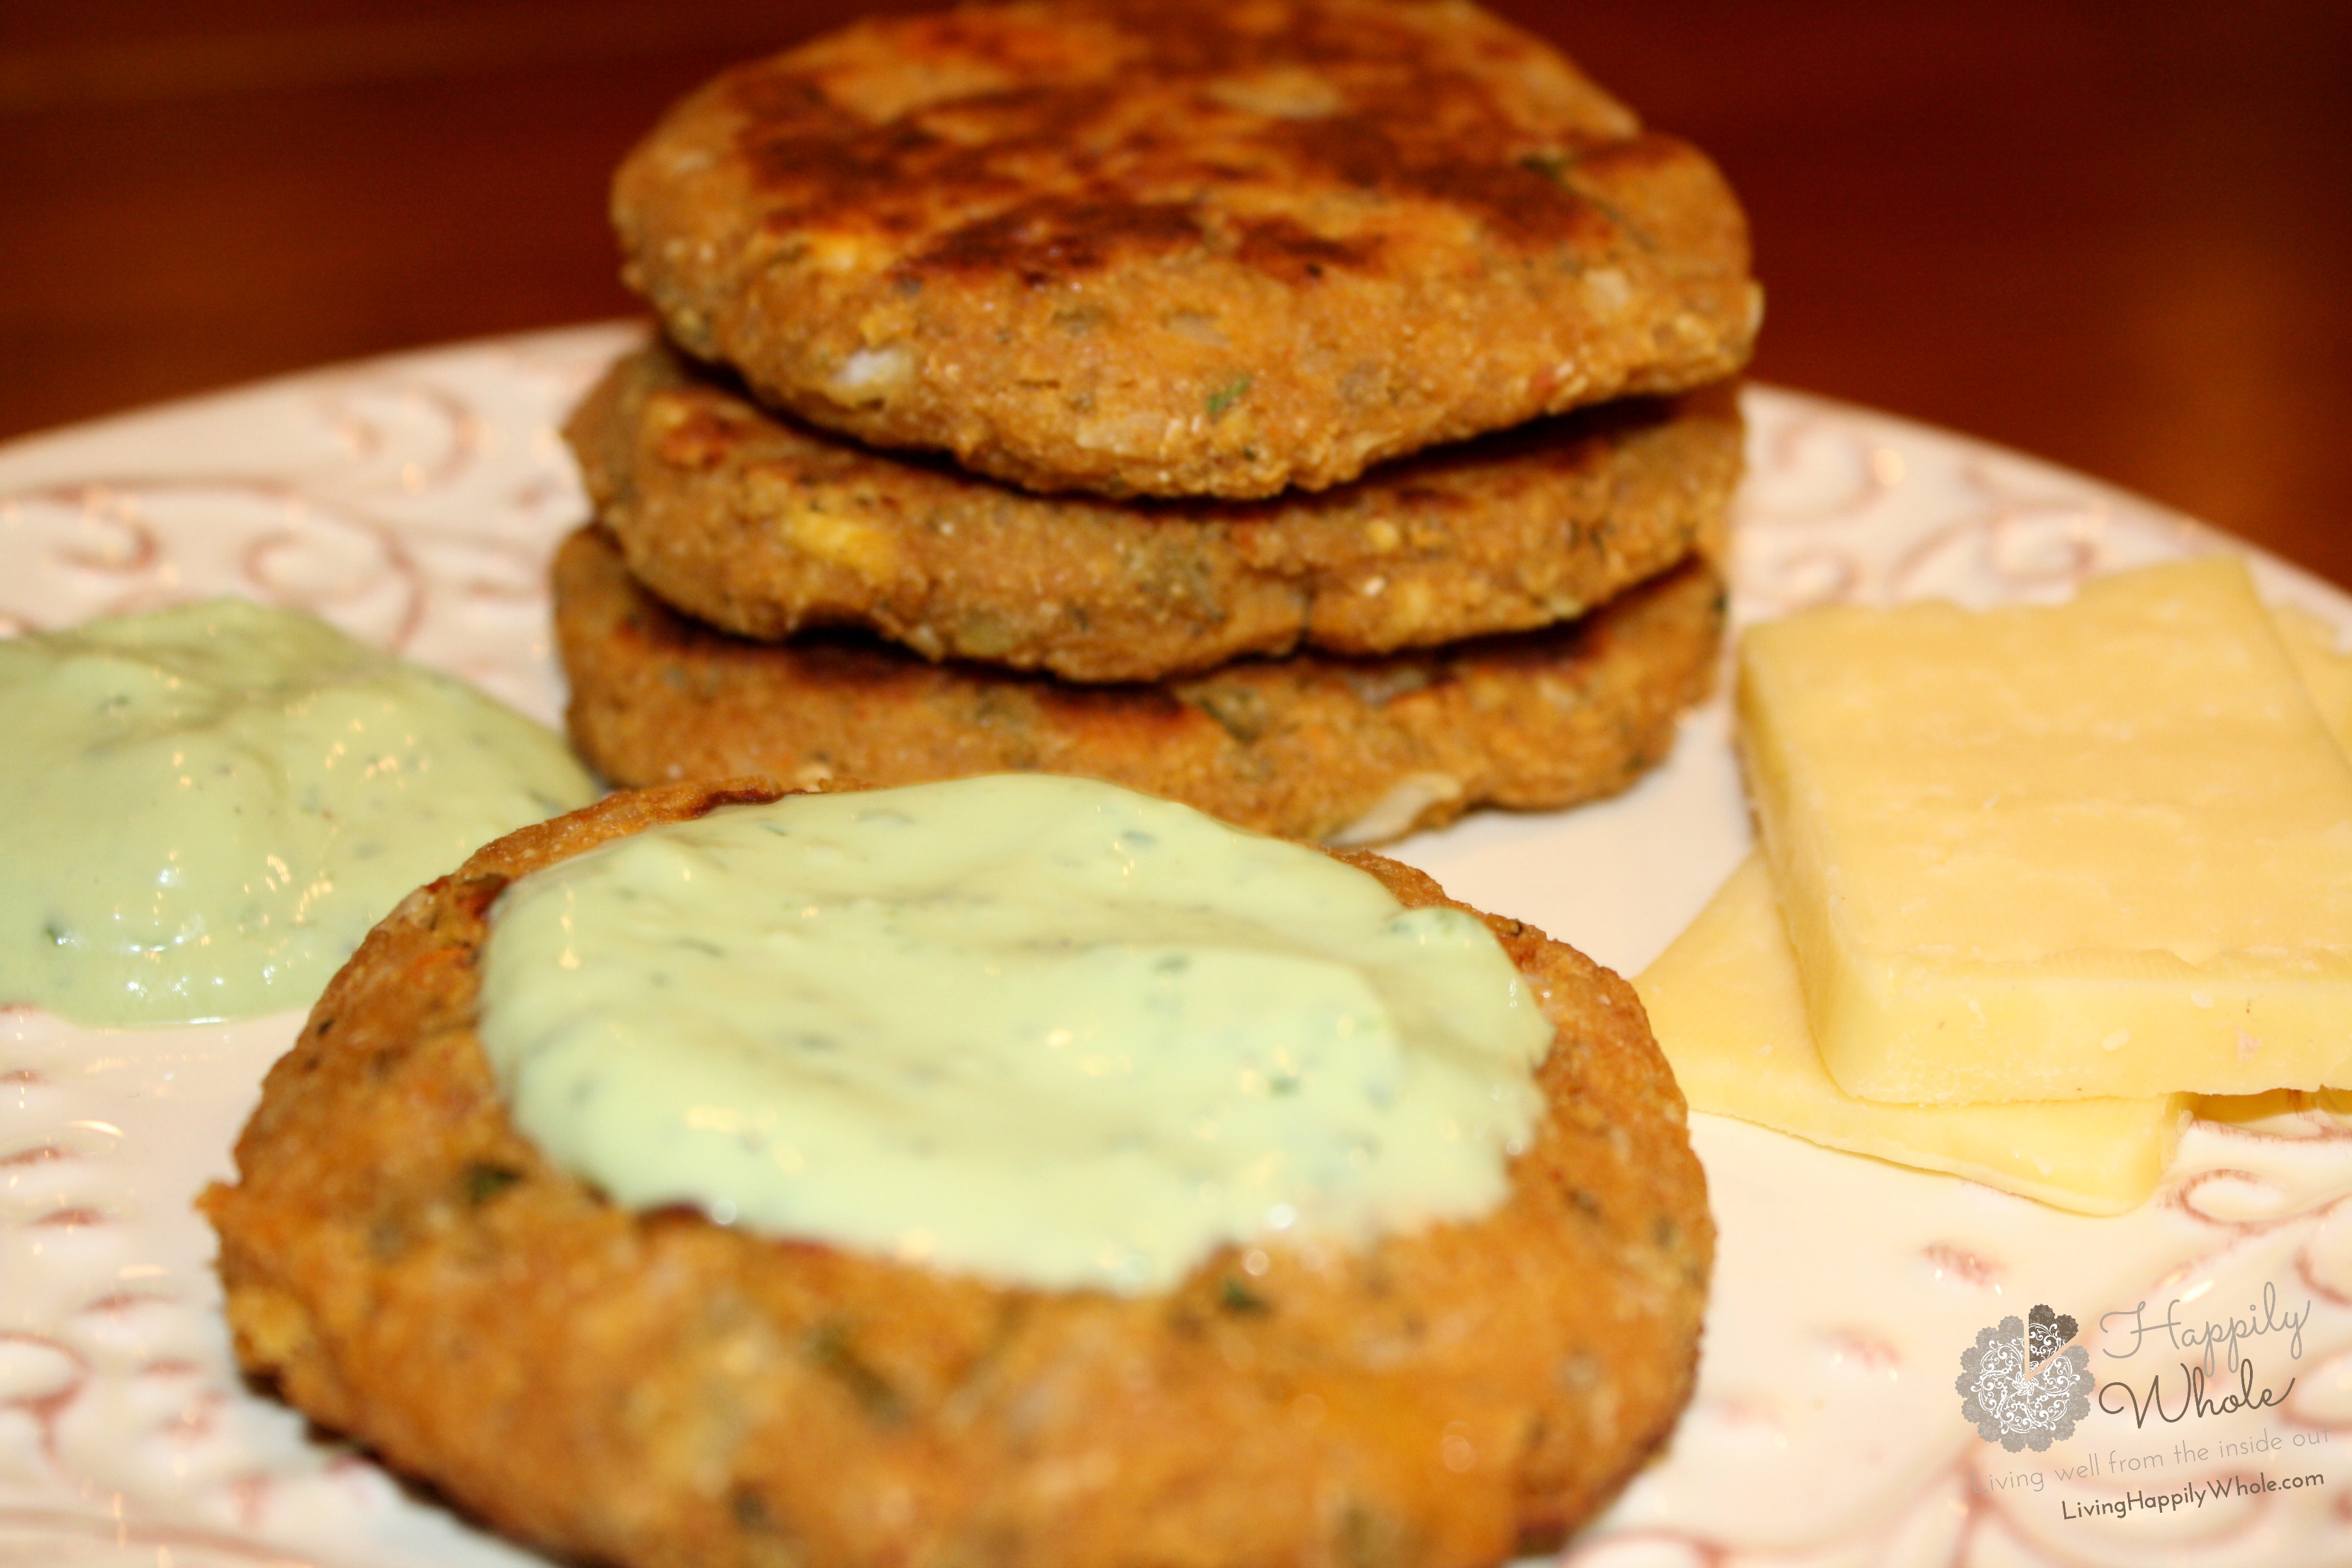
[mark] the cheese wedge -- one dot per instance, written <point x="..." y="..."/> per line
<point x="2100" y="849"/>
<point x="1725" y="1004"/>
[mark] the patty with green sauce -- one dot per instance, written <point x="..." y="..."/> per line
<point x="656" y="1390"/>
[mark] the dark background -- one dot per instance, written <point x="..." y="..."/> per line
<point x="2115" y="235"/>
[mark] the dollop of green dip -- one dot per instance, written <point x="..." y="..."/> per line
<point x="1042" y="1030"/>
<point x="202" y="810"/>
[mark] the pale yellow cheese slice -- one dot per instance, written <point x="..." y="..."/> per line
<point x="2327" y="675"/>
<point x="1726" y="1006"/>
<point x="2099" y="849"/>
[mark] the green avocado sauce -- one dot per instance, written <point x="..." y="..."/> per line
<point x="202" y="810"/>
<point x="1041" y="1029"/>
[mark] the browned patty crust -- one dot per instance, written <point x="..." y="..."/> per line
<point x="1217" y="248"/>
<point x="1309" y="746"/>
<point x="653" y="1390"/>
<point x="761" y="526"/>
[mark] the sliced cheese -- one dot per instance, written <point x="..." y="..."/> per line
<point x="2100" y="849"/>
<point x="1725" y="1004"/>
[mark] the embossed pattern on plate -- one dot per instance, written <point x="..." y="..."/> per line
<point x="413" y="501"/>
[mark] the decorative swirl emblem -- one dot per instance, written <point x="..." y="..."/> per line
<point x="2025" y="1384"/>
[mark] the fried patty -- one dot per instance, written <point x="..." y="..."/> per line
<point x="654" y="1390"/>
<point x="1219" y="248"/>
<point x="762" y="526"/>
<point x="1309" y="746"/>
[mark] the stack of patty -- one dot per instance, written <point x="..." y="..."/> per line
<point x="1313" y="410"/>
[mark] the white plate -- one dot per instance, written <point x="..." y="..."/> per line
<point x="414" y="501"/>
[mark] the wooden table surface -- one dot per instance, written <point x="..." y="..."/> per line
<point x="2119" y="236"/>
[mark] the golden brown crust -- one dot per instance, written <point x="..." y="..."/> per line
<point x="1219" y="248"/>
<point x="652" y="1390"/>
<point x="762" y="527"/>
<point x="1309" y="746"/>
